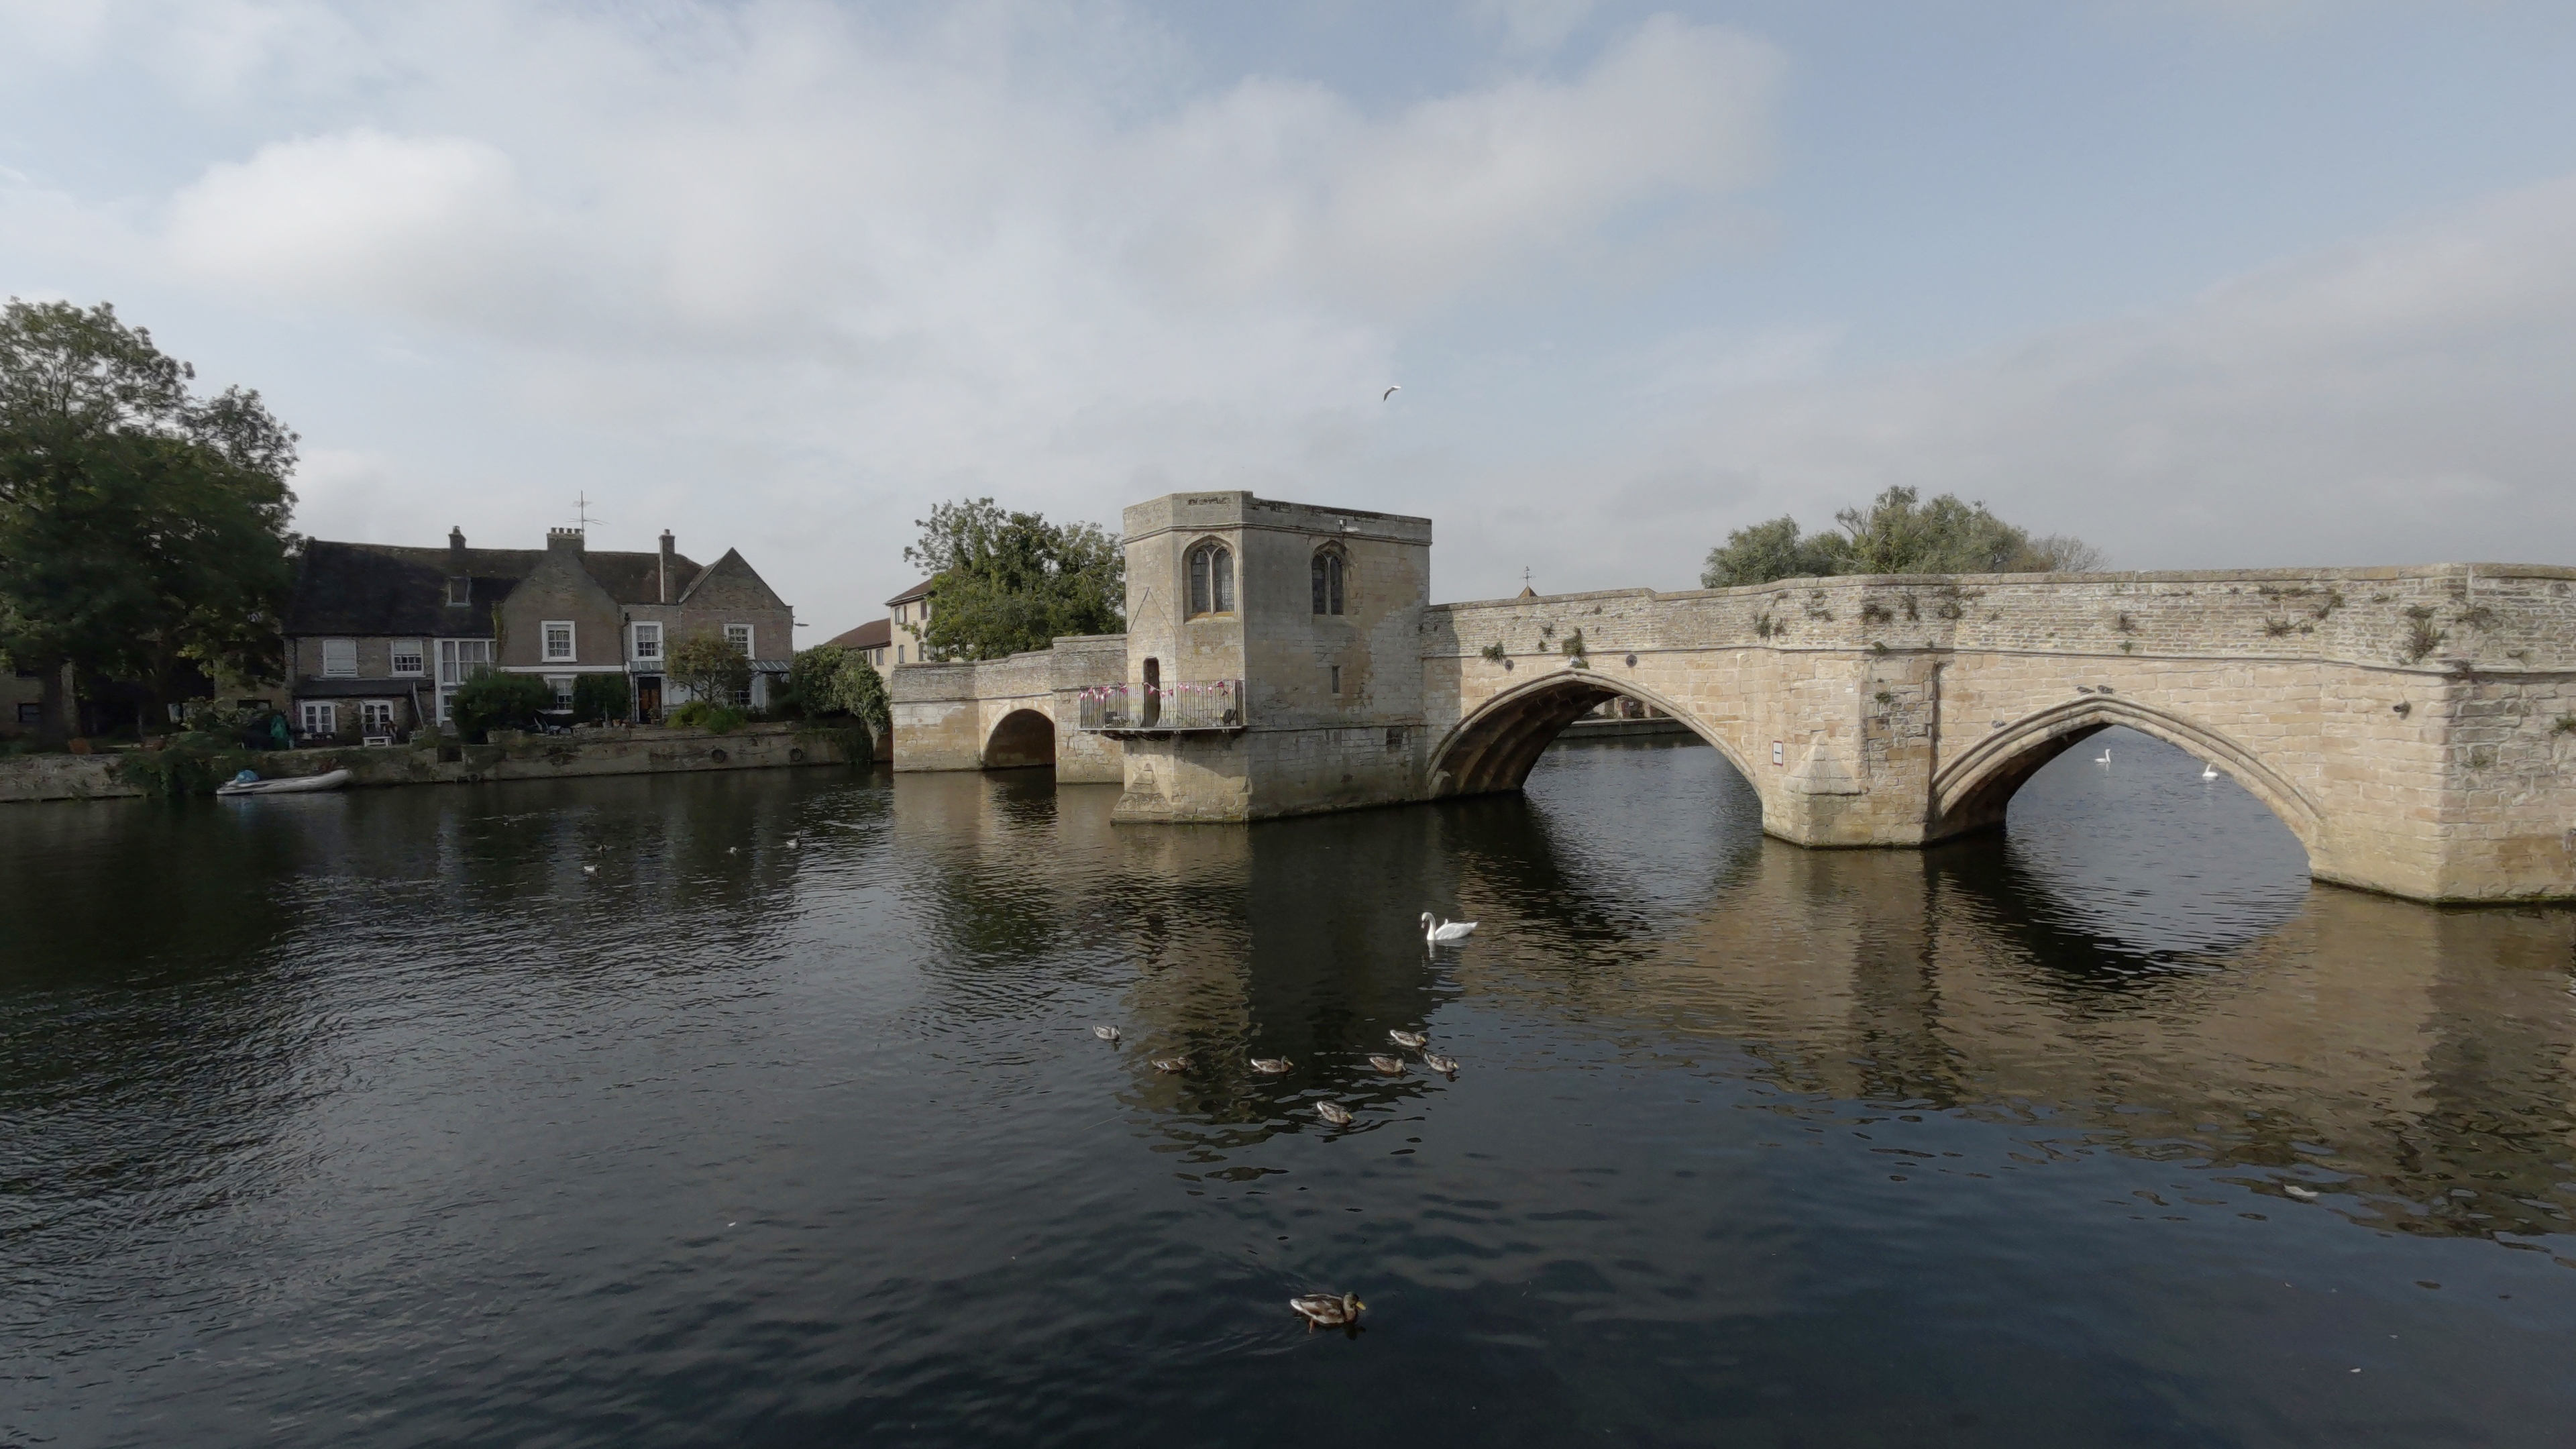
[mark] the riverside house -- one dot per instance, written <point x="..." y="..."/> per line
<point x="380" y="636"/>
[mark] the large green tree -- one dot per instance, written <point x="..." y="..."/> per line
<point x="143" y="529"/>
<point x="1898" y="533"/>
<point x="1011" y="582"/>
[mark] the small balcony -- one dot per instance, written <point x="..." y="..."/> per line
<point x="1194" y="707"/>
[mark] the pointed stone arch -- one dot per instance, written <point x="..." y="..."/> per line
<point x="1495" y="746"/>
<point x="1973" y="790"/>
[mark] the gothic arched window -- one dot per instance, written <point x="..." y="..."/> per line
<point x="1211" y="579"/>
<point x="1327" y="576"/>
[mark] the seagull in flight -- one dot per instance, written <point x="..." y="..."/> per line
<point x="1390" y="392"/>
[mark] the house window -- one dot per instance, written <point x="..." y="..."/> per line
<point x="460" y="592"/>
<point x="376" y="716"/>
<point x="321" y="717"/>
<point x="1211" y="579"/>
<point x="648" y="641"/>
<point x="898" y="654"/>
<point x="458" y="659"/>
<point x="1335" y="672"/>
<point x="558" y="638"/>
<point x="340" y="658"/>
<point x="739" y="636"/>
<point x="408" y="662"/>
<point x="1327" y="576"/>
<point x="31" y="714"/>
<point x="561" y="684"/>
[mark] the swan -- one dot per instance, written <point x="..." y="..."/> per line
<point x="2209" y="772"/>
<point x="2104" y="758"/>
<point x="1445" y="1066"/>
<point x="1271" y="1066"/>
<point x="2303" y="1194"/>
<point x="1105" y="1033"/>
<point x="1392" y="1066"/>
<point x="1327" y="1310"/>
<point x="1334" y="1112"/>
<point x="1446" y="930"/>
<point x="590" y="870"/>
<point x="1412" y="1039"/>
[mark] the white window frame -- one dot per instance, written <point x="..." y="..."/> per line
<point x="561" y="684"/>
<point x="546" y="642"/>
<point x="375" y="716"/>
<point x="740" y="636"/>
<point x="454" y="666"/>
<point x="332" y="667"/>
<point x="409" y="649"/>
<point x="648" y="641"/>
<point x="318" y="717"/>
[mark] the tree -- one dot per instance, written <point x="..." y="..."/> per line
<point x="1012" y="582"/>
<point x="490" y="700"/>
<point x="829" y="682"/>
<point x="709" y="668"/>
<point x="142" y="529"/>
<point x="1897" y="534"/>
<point x="599" y="697"/>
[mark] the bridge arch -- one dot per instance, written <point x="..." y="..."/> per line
<point x="1973" y="790"/>
<point x="1496" y="744"/>
<point x="1020" y="739"/>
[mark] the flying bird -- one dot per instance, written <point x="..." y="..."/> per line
<point x="1390" y="392"/>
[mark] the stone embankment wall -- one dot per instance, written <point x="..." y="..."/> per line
<point x="948" y="716"/>
<point x="2416" y="727"/>
<point x="514" y="757"/>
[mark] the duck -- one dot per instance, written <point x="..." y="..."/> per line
<point x="1413" y="1039"/>
<point x="1334" y="1112"/>
<point x="2303" y="1194"/>
<point x="791" y="842"/>
<point x="1392" y="1066"/>
<point x="1327" y="1310"/>
<point x="1446" y="1066"/>
<point x="590" y="870"/>
<point x="1105" y="1033"/>
<point x="1435" y="930"/>
<point x="1171" y="1064"/>
<point x="1271" y="1065"/>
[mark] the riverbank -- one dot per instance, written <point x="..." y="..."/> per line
<point x="512" y="756"/>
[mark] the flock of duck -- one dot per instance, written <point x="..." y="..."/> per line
<point x="1342" y="1310"/>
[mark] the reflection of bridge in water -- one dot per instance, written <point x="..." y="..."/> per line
<point x="2415" y="728"/>
<point x="2425" y="1058"/>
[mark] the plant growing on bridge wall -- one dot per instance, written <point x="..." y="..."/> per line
<point x="2278" y="627"/>
<point x="2565" y="724"/>
<point x="2125" y="624"/>
<point x="1874" y="612"/>
<point x="2421" y="637"/>
<point x="1493" y="651"/>
<point x="1765" y="627"/>
<point x="2478" y="616"/>
<point x="1573" y="645"/>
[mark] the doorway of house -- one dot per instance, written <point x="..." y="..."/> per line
<point x="648" y="699"/>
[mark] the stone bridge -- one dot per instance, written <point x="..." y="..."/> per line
<point x="2415" y="728"/>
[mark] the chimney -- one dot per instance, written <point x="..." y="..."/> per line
<point x="666" y="565"/>
<point x="460" y="570"/>
<point x="564" y="540"/>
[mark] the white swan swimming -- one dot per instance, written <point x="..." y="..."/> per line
<point x="2104" y="759"/>
<point x="1446" y="930"/>
<point x="2209" y="772"/>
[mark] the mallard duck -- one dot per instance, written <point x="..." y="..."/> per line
<point x="1105" y="1033"/>
<point x="1446" y="1066"/>
<point x="1272" y="1065"/>
<point x="1334" y="1112"/>
<point x="1446" y="930"/>
<point x="1413" y="1039"/>
<point x="1171" y="1064"/>
<point x="1392" y="1066"/>
<point x="1327" y="1310"/>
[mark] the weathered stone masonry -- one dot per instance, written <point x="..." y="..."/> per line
<point x="2415" y="727"/>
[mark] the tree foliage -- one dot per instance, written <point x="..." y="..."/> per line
<point x="143" y="529"/>
<point x="1012" y="582"/>
<point x="830" y="682"/>
<point x="1898" y="533"/>
<point x="490" y="700"/>
<point x="601" y="697"/>
<point x="709" y="667"/>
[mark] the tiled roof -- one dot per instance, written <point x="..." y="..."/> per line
<point x="376" y="588"/>
<point x="920" y="590"/>
<point x="874" y="634"/>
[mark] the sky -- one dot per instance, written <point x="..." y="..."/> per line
<point x="2208" y="283"/>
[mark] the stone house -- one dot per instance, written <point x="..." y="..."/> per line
<point x="909" y="615"/>
<point x="379" y="637"/>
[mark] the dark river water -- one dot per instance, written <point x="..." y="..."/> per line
<point x="767" y="1110"/>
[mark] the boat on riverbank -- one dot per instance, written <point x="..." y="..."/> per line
<point x="294" y="785"/>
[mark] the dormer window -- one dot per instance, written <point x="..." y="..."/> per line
<point x="1211" y="579"/>
<point x="1327" y="577"/>
<point x="460" y="591"/>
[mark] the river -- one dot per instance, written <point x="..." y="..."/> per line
<point x="766" y="1109"/>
